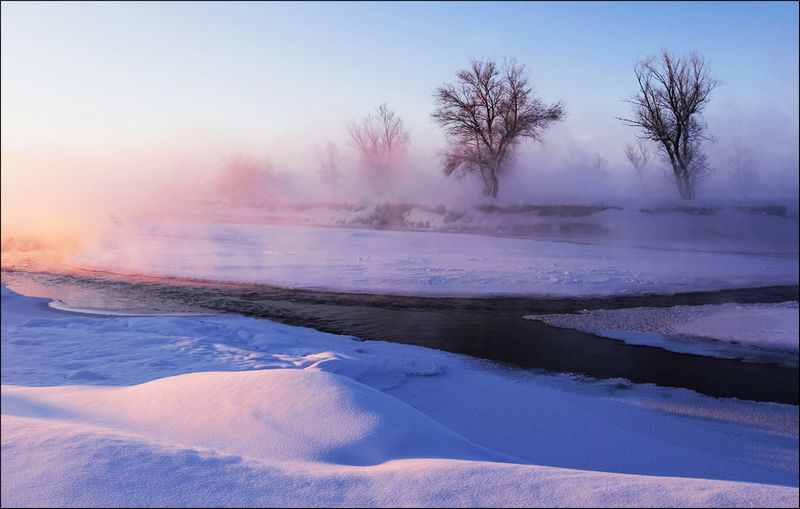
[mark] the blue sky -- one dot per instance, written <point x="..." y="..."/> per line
<point x="85" y="74"/>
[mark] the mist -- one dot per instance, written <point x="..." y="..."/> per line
<point x="57" y="200"/>
<point x="59" y="195"/>
<point x="103" y="127"/>
<point x="74" y="191"/>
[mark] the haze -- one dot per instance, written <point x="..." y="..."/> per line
<point x="119" y="108"/>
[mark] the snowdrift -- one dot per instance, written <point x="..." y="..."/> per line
<point x="286" y="437"/>
<point x="275" y="415"/>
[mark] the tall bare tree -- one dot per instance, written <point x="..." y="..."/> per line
<point x="485" y="114"/>
<point x="638" y="156"/>
<point x="673" y="91"/>
<point x="381" y="139"/>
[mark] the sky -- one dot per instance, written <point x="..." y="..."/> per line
<point x="117" y="81"/>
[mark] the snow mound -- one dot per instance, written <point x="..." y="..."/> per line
<point x="288" y="437"/>
<point x="270" y="415"/>
<point x="378" y="371"/>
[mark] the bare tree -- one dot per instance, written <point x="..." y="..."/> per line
<point x="329" y="171"/>
<point x="673" y="91"/>
<point x="249" y="181"/>
<point x="599" y="169"/>
<point x="381" y="139"/>
<point x="485" y="114"/>
<point x="741" y="170"/>
<point x="638" y="156"/>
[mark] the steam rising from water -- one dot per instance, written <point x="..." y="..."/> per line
<point x="56" y="199"/>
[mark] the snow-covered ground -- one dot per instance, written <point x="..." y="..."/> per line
<point x="751" y="331"/>
<point x="741" y="225"/>
<point x="423" y="263"/>
<point x="234" y="411"/>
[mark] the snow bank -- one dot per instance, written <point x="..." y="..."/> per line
<point x="768" y="326"/>
<point x="739" y="225"/>
<point x="423" y="263"/>
<point x="281" y="415"/>
<point x="758" y="332"/>
<point x="283" y="438"/>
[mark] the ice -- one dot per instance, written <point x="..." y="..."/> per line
<point x="752" y="331"/>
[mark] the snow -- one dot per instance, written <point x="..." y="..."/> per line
<point x="94" y="467"/>
<point x="752" y="331"/>
<point x="62" y="306"/>
<point x="235" y="411"/>
<point x="773" y="326"/>
<point x="423" y="263"/>
<point x="765" y="226"/>
<point x="282" y="415"/>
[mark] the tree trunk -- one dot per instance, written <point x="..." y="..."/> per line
<point x="683" y="181"/>
<point x="687" y="186"/>
<point x="490" y="181"/>
<point x="494" y="185"/>
<point x="683" y="187"/>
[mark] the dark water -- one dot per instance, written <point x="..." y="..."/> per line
<point x="491" y="328"/>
